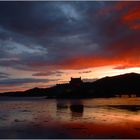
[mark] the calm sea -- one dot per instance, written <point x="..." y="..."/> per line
<point x="83" y="118"/>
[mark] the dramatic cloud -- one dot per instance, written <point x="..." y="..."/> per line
<point x="3" y="75"/>
<point x="86" y="71"/>
<point x="21" y="81"/>
<point x="45" y="38"/>
<point x="49" y="73"/>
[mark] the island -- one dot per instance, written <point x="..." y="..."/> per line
<point x="115" y="86"/>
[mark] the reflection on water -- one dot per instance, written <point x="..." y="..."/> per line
<point x="127" y="107"/>
<point x="76" y="110"/>
<point x="94" y="118"/>
<point x="61" y="106"/>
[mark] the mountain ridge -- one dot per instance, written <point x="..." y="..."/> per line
<point x="128" y="83"/>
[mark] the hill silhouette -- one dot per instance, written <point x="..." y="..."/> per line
<point x="105" y="87"/>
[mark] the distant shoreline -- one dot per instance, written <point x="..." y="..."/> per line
<point x="107" y="87"/>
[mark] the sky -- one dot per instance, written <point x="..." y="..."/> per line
<point x="45" y="43"/>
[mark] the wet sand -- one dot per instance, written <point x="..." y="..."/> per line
<point x="95" y="118"/>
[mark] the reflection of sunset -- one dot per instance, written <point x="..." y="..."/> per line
<point x="94" y="130"/>
<point x="86" y="118"/>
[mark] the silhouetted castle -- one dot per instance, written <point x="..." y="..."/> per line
<point x="76" y="82"/>
<point x="120" y="86"/>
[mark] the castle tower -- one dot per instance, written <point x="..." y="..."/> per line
<point x="76" y="82"/>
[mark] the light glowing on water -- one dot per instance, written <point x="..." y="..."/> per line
<point x="45" y="118"/>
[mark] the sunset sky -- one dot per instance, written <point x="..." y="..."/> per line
<point x="46" y="43"/>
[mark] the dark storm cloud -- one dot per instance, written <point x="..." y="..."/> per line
<point x="49" y="73"/>
<point x="89" y="71"/>
<point x="18" y="81"/>
<point x="3" y="75"/>
<point x="46" y="17"/>
<point x="56" y="30"/>
<point x="48" y="35"/>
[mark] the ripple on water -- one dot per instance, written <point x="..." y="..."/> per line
<point x="18" y="120"/>
<point x="137" y="128"/>
<point x="3" y="119"/>
<point x="25" y="110"/>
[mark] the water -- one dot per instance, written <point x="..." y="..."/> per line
<point x="84" y="118"/>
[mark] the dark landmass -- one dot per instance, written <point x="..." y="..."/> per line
<point x="126" y="107"/>
<point x="126" y="84"/>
